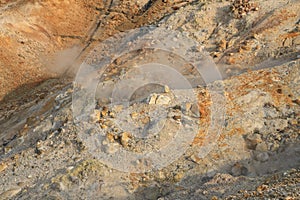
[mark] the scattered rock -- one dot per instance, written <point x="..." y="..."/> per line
<point x="261" y="156"/>
<point x="195" y="159"/>
<point x="221" y="178"/>
<point x="59" y="186"/>
<point x="178" y="176"/>
<point x="21" y="184"/>
<point x="261" y="147"/>
<point x="262" y="188"/>
<point x="134" y="115"/>
<point x="214" y="198"/>
<point x="104" y="111"/>
<point x="195" y="110"/>
<point x="152" y="99"/>
<point x="177" y="117"/>
<point x="145" y="120"/>
<point x="238" y="169"/>
<point x="40" y="148"/>
<point x="111" y="148"/>
<point x="103" y="126"/>
<point x="167" y="89"/>
<point x="188" y="107"/>
<point x="95" y="117"/>
<point x="222" y="45"/>
<point x="110" y="137"/>
<point x="252" y="140"/>
<point x="163" y="100"/>
<point x="158" y="99"/>
<point x="44" y="126"/>
<point x="125" y="138"/>
<point x="112" y="114"/>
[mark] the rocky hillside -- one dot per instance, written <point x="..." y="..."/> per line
<point x="239" y="129"/>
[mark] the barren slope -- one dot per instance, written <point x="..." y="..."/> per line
<point x="42" y="154"/>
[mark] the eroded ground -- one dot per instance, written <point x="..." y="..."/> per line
<point x="255" y="46"/>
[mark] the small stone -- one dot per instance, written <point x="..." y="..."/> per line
<point x="3" y="166"/>
<point x="261" y="147"/>
<point x="177" y="117"/>
<point x="294" y="122"/>
<point x="246" y="47"/>
<point x="112" y="148"/>
<point x="110" y="137"/>
<point x="152" y="99"/>
<point x="40" y="148"/>
<point x="188" y="107"/>
<point x="195" y="110"/>
<point x="59" y="186"/>
<point x="167" y="89"/>
<point x="222" y="45"/>
<point x="95" y="117"/>
<point x="253" y="140"/>
<point x="103" y="126"/>
<point x="145" y="120"/>
<point x="178" y="176"/>
<point x="238" y="170"/>
<point x="162" y="100"/>
<point x="134" y="115"/>
<point x="161" y="175"/>
<point x="287" y="42"/>
<point x="274" y="146"/>
<point x="125" y="138"/>
<point x="262" y="156"/>
<point x="261" y="188"/>
<point x="104" y="113"/>
<point x="70" y="168"/>
<point x="216" y="54"/>
<point x="112" y="114"/>
<point x="195" y="159"/>
<point x="21" y="184"/>
<point x="231" y="60"/>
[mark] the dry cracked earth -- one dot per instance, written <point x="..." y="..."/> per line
<point x="253" y="153"/>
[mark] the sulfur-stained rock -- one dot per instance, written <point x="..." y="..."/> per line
<point x="125" y="138"/>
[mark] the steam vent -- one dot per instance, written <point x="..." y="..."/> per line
<point x="150" y="99"/>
